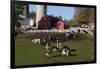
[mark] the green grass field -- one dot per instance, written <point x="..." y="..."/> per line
<point x="27" y="53"/>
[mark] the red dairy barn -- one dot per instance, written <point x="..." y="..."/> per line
<point x="49" y="22"/>
<point x="60" y="25"/>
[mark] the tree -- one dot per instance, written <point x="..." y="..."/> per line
<point x="84" y="15"/>
<point x="72" y="22"/>
<point x="19" y="7"/>
<point x="32" y="15"/>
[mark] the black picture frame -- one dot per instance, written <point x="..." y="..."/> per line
<point x="12" y="47"/>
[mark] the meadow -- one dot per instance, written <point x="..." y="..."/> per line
<point x="28" y="53"/>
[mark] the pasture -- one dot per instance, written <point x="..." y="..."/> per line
<point x="28" y="53"/>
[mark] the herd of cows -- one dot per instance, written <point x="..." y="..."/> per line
<point x="45" y="39"/>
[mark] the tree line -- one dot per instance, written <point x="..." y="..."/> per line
<point x="84" y="15"/>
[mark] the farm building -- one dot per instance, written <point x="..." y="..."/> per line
<point x="60" y="25"/>
<point x="42" y="21"/>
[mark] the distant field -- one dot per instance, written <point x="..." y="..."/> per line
<point x="28" y="53"/>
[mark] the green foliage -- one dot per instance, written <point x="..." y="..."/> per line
<point x="84" y="15"/>
<point x="19" y="7"/>
<point x="32" y="15"/>
<point x="18" y="11"/>
<point x="72" y="22"/>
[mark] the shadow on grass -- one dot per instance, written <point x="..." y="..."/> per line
<point x="61" y="56"/>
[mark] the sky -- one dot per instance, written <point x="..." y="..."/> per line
<point x="65" y="12"/>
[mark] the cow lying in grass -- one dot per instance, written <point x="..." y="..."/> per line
<point x="86" y="32"/>
<point x="72" y="35"/>
<point x="64" y="50"/>
<point x="36" y="41"/>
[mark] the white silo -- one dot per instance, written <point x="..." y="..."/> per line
<point x="40" y="12"/>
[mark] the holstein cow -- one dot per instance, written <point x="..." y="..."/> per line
<point x="59" y="48"/>
<point x="86" y="32"/>
<point x="65" y="51"/>
<point x="36" y="41"/>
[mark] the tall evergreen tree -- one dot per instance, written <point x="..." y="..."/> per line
<point x="19" y="7"/>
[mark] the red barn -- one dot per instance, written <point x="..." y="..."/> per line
<point x="60" y="25"/>
<point x="44" y="23"/>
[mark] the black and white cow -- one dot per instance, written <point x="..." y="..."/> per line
<point x="36" y="41"/>
<point x="86" y="32"/>
<point x="59" y="48"/>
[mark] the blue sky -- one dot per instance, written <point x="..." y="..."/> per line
<point x="65" y="12"/>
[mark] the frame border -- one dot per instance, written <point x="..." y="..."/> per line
<point x="12" y="43"/>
